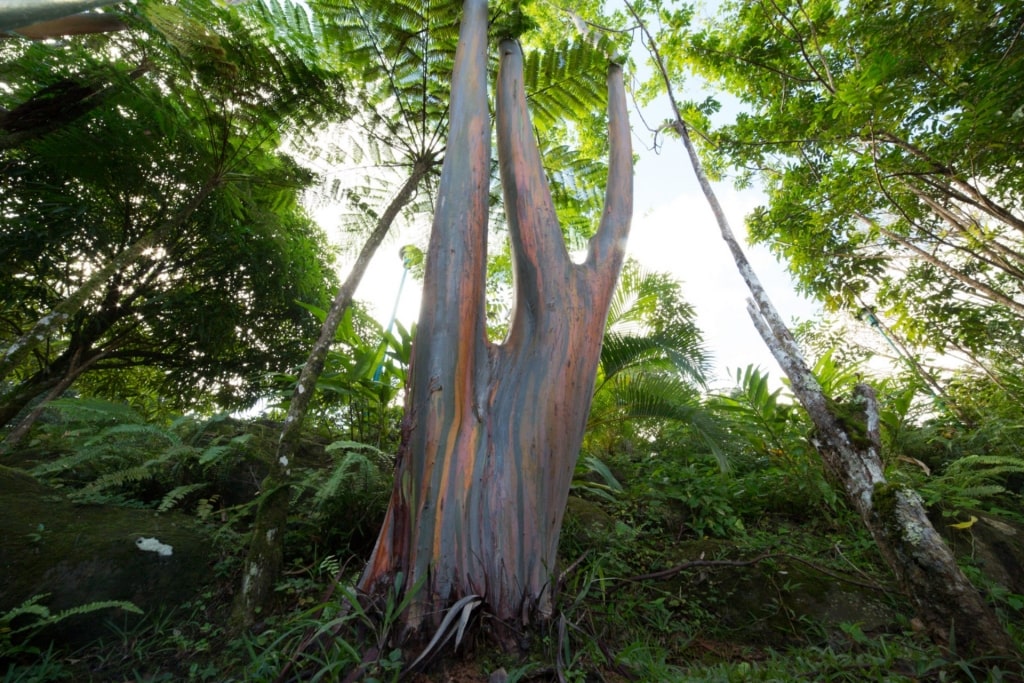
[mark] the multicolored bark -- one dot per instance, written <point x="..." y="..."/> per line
<point x="492" y="431"/>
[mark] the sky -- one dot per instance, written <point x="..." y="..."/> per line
<point x="673" y="231"/>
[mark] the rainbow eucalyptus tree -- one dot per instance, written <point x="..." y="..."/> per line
<point x="492" y="430"/>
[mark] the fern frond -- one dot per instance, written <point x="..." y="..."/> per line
<point x="44" y="617"/>
<point x="980" y="491"/>
<point x="65" y="463"/>
<point x="344" y="445"/>
<point x="175" y="495"/>
<point x="94" y="411"/>
<point x="146" y="431"/>
<point x="342" y="474"/>
<point x="122" y="477"/>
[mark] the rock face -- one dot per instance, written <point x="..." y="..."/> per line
<point x="995" y="546"/>
<point x="83" y="553"/>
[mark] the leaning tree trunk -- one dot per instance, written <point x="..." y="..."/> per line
<point x="492" y="431"/>
<point x="22" y="347"/>
<point x="74" y="371"/>
<point x="266" y="547"/>
<point x="850" y="447"/>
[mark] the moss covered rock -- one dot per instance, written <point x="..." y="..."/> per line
<point x="79" y="554"/>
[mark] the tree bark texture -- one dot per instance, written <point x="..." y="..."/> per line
<point x="492" y="431"/>
<point x="266" y="548"/>
<point x="952" y="610"/>
<point x="850" y="448"/>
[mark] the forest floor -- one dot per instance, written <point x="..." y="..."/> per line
<point x="787" y="599"/>
<point x="758" y="577"/>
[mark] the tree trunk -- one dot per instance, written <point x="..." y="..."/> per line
<point x="62" y="371"/>
<point x="266" y="549"/>
<point x="492" y="431"/>
<point x="952" y="610"/>
<point x="71" y="25"/>
<point x="22" y="347"/>
<point x="850" y="447"/>
<point x="17" y="13"/>
<point x="76" y="368"/>
<point x="14" y="401"/>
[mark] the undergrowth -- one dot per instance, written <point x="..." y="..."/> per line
<point x="673" y="568"/>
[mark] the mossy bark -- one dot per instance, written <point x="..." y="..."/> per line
<point x="952" y="610"/>
<point x="954" y="613"/>
<point x="946" y="602"/>
<point x="266" y="553"/>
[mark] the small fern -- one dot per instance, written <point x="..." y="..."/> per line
<point x="120" y="478"/>
<point x="355" y="467"/>
<point x="330" y="566"/>
<point x="972" y="482"/>
<point x="216" y="452"/>
<point x="39" y="617"/>
<point x="115" y="458"/>
<point x="175" y="495"/>
<point x="93" y="411"/>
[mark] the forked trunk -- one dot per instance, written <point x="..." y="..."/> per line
<point x="491" y="431"/>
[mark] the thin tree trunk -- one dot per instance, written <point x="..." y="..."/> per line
<point x="72" y="25"/>
<point x="492" y="431"/>
<point x="73" y="372"/>
<point x="945" y="178"/>
<point x="20" y="349"/>
<point x="266" y="547"/>
<point x="18" y="397"/>
<point x="999" y="251"/>
<point x="949" y="606"/>
<point x="926" y="375"/>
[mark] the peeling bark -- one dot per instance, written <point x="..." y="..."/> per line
<point x="491" y="431"/>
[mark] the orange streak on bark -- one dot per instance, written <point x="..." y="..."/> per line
<point x="493" y="432"/>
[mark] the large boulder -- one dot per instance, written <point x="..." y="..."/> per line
<point x="994" y="544"/>
<point x="78" y="554"/>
